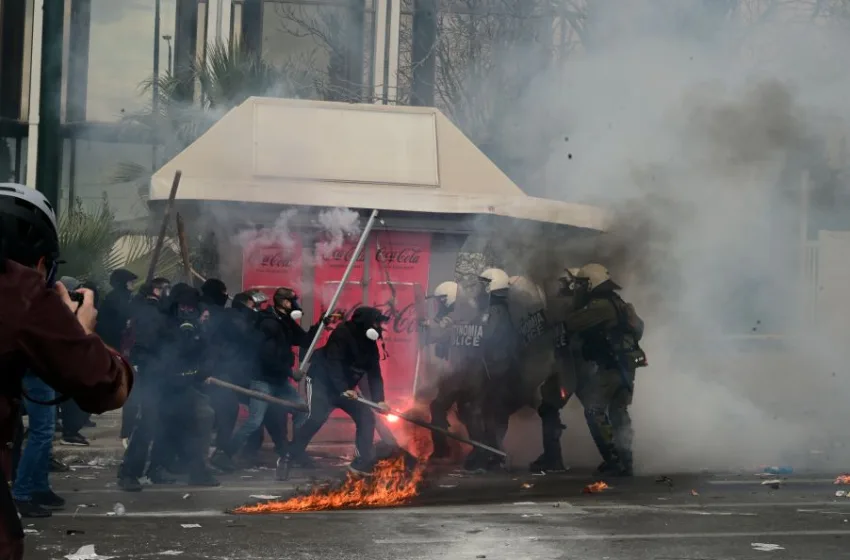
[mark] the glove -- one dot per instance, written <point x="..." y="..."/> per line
<point x="384" y="406"/>
<point x="350" y="394"/>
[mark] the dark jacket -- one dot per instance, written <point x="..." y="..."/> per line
<point x="113" y="315"/>
<point x="181" y="354"/>
<point x="279" y="333"/>
<point x="39" y="333"/>
<point x="234" y="345"/>
<point x="146" y="322"/>
<point x="347" y="357"/>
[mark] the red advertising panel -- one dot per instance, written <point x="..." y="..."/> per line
<point x="399" y="267"/>
<point x="268" y="264"/>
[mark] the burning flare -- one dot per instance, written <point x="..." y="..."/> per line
<point x="843" y="479"/>
<point x="391" y="484"/>
<point x="595" y="488"/>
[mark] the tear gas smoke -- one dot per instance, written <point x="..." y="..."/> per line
<point x="697" y="123"/>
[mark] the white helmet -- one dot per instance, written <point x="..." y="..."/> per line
<point x="596" y="275"/>
<point x="27" y="223"/>
<point x="447" y="291"/>
<point x="496" y="279"/>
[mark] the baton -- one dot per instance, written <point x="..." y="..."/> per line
<point x="298" y="407"/>
<point x="432" y="427"/>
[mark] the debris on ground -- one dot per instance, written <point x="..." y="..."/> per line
<point x="70" y="532"/>
<point x="694" y="493"/>
<point x="31" y="531"/>
<point x="840" y="494"/>
<point x="595" y="488"/>
<point x="457" y="475"/>
<point x="481" y="556"/>
<point x="532" y="515"/>
<point x="190" y="525"/>
<point x="264" y="497"/>
<point x="843" y="479"/>
<point x="779" y="470"/>
<point x="170" y="553"/>
<point x="87" y="552"/>
<point x="186" y="496"/>
<point x="118" y="509"/>
<point x="448" y="485"/>
<point x="774" y="483"/>
<point x="766" y="547"/>
<point x="526" y="485"/>
<point x="664" y="480"/>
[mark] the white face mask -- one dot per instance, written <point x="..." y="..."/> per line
<point x="296" y="314"/>
<point x="372" y="334"/>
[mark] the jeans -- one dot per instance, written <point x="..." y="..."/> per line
<point x="34" y="466"/>
<point x="257" y="412"/>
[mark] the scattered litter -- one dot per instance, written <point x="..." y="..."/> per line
<point x="526" y="485"/>
<point x="774" y="483"/>
<point x="556" y="504"/>
<point x="186" y="496"/>
<point x="532" y="515"/>
<point x="264" y="497"/>
<point x="87" y="553"/>
<point x="171" y="553"/>
<point x="119" y="509"/>
<point x="70" y="532"/>
<point x="662" y="499"/>
<point x="457" y="475"/>
<point x="595" y="488"/>
<point x="843" y="479"/>
<point x="538" y="474"/>
<point x="31" y="531"/>
<point x="524" y="504"/>
<point x="190" y="526"/>
<point x="448" y="485"/>
<point x="840" y="494"/>
<point x="253" y="469"/>
<point x="779" y="470"/>
<point x="87" y="477"/>
<point x="664" y="480"/>
<point x="694" y="493"/>
<point x="765" y="547"/>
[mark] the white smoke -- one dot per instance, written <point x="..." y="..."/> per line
<point x="338" y="226"/>
<point x="698" y="130"/>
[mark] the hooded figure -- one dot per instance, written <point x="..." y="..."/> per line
<point x="350" y="354"/>
<point x="114" y="314"/>
<point x="214" y="292"/>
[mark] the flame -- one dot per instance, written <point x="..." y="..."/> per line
<point x="390" y="485"/>
<point x="392" y="418"/>
<point x="843" y="479"/>
<point x="595" y="488"/>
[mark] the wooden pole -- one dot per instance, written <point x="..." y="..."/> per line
<point x="296" y="406"/>
<point x="157" y="250"/>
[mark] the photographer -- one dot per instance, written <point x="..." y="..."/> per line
<point x="44" y="331"/>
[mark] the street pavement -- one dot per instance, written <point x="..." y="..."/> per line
<point x="504" y="516"/>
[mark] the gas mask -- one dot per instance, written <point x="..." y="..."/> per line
<point x="188" y="317"/>
<point x="295" y="312"/>
<point x="373" y="334"/>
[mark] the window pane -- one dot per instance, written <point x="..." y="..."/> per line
<point x="13" y="159"/>
<point x="121" y="55"/>
<point x="96" y="168"/>
<point x="326" y="47"/>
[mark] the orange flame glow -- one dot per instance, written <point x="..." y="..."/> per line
<point x="595" y="488"/>
<point x="392" y="418"/>
<point x="390" y="485"/>
<point x="843" y="479"/>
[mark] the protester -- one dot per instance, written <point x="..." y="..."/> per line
<point x="45" y="332"/>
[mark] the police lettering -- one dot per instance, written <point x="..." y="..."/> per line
<point x="532" y="326"/>
<point x="467" y="335"/>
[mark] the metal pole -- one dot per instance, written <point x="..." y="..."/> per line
<point x="157" y="18"/>
<point x="305" y="363"/>
<point x="49" y="142"/>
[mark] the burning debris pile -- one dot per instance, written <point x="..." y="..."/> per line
<point x="394" y="482"/>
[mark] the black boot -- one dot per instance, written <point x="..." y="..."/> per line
<point x="281" y="472"/>
<point x="548" y="464"/>
<point x="159" y="476"/>
<point x="222" y="462"/>
<point x="203" y="478"/>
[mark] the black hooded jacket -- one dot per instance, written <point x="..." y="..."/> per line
<point x="147" y="322"/>
<point x="347" y="357"/>
<point x="279" y="333"/>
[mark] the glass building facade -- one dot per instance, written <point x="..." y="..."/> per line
<point x="380" y="51"/>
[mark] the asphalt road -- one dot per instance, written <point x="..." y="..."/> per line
<point x="511" y="517"/>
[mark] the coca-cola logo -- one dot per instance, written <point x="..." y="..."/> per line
<point x="345" y="254"/>
<point x="271" y="257"/>
<point x="404" y="256"/>
<point x="402" y="321"/>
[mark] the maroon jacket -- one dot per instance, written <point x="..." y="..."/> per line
<point x="40" y="334"/>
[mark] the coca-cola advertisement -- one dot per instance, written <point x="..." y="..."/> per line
<point x="268" y="264"/>
<point x="398" y="269"/>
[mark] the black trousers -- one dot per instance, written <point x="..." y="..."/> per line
<point x="73" y="418"/>
<point x="187" y="419"/>
<point x="146" y="436"/>
<point x="322" y="402"/>
<point x="225" y="405"/>
<point x="274" y="423"/>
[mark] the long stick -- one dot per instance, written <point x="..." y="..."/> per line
<point x="299" y="407"/>
<point x="161" y="239"/>
<point x="184" y="250"/>
<point x="305" y="363"/>
<point x="431" y="427"/>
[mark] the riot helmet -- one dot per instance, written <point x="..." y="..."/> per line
<point x="598" y="278"/>
<point x="495" y="280"/>
<point x="446" y="294"/>
<point x="28" y="229"/>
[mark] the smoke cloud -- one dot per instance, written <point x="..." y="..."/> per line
<point x="697" y="123"/>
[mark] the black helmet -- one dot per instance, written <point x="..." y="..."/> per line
<point x="368" y="317"/>
<point x="120" y="277"/>
<point x="28" y="229"/>
<point x="214" y="292"/>
<point x="285" y="294"/>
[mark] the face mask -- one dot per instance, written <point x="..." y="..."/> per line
<point x="296" y="314"/>
<point x="372" y="334"/>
